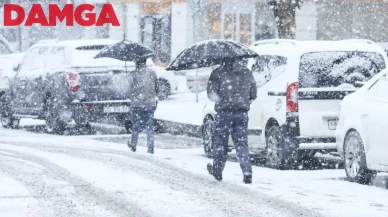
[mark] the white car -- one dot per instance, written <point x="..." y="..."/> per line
<point x="300" y="87"/>
<point x="362" y="126"/>
<point x="8" y="63"/>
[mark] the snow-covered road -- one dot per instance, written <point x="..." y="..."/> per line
<point x="46" y="175"/>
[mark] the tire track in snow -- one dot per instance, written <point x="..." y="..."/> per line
<point x="15" y="198"/>
<point x="52" y="185"/>
<point x="231" y="199"/>
<point x="155" y="198"/>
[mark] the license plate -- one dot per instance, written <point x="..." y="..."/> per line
<point x="332" y="124"/>
<point x="116" y="109"/>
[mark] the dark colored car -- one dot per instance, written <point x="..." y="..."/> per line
<point x="47" y="84"/>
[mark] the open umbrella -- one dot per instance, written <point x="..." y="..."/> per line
<point x="209" y="53"/>
<point x="126" y="51"/>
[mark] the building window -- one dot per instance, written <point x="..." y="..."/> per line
<point x="213" y="12"/>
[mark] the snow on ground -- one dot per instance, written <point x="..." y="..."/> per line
<point x="83" y="177"/>
<point x="175" y="182"/>
<point x="182" y="106"/>
<point x="15" y="199"/>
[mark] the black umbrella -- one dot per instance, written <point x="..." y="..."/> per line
<point x="126" y="51"/>
<point x="209" y="53"/>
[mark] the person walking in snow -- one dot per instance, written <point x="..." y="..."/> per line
<point x="233" y="88"/>
<point x="143" y="96"/>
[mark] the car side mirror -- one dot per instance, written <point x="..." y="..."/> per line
<point x="359" y="84"/>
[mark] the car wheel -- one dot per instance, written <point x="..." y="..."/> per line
<point x="164" y="89"/>
<point x="128" y="126"/>
<point x="8" y="122"/>
<point x="86" y="129"/>
<point x="355" y="160"/>
<point x="15" y="123"/>
<point x="280" y="151"/>
<point x="159" y="127"/>
<point x="5" y="122"/>
<point x="208" y="136"/>
<point x="53" y="124"/>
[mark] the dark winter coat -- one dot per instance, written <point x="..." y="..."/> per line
<point x="143" y="88"/>
<point x="232" y="88"/>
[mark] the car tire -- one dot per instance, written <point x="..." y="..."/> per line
<point x="9" y="122"/>
<point x="280" y="151"/>
<point x="53" y="123"/>
<point x="128" y="126"/>
<point x="159" y="126"/>
<point x="15" y="123"/>
<point x="86" y="129"/>
<point x="355" y="160"/>
<point x="164" y="88"/>
<point x="208" y="136"/>
<point x="4" y="122"/>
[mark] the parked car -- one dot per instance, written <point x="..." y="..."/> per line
<point x="8" y="63"/>
<point x="362" y="125"/>
<point x="384" y="45"/>
<point x="300" y="87"/>
<point x="7" y="74"/>
<point x="201" y="76"/>
<point x="60" y="81"/>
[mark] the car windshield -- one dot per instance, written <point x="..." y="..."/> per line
<point x="268" y="67"/>
<point x="338" y="69"/>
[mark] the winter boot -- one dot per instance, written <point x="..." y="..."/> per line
<point x="133" y="149"/>
<point x="247" y="179"/>
<point x="211" y="172"/>
<point x="150" y="151"/>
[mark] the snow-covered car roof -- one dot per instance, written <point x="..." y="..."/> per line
<point x="85" y="58"/>
<point x="293" y="47"/>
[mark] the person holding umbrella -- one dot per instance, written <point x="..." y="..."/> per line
<point x="143" y="96"/>
<point x="233" y="88"/>
<point x="143" y="88"/>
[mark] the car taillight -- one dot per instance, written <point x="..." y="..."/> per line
<point x="292" y="97"/>
<point x="86" y="107"/>
<point x="73" y="81"/>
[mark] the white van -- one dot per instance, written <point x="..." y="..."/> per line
<point x="300" y="87"/>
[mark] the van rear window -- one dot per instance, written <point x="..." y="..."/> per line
<point x="338" y="69"/>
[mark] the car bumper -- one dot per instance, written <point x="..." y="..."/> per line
<point x="292" y="129"/>
<point x="317" y="143"/>
<point x="317" y="146"/>
<point x="96" y="110"/>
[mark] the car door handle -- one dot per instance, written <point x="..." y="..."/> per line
<point x="365" y="115"/>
